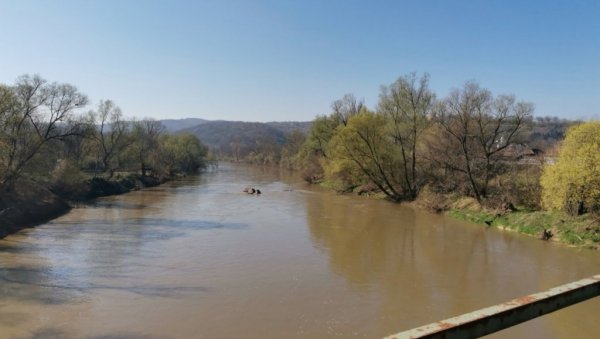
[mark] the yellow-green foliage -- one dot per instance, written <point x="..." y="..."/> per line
<point x="363" y="149"/>
<point x="573" y="183"/>
<point x="344" y="174"/>
<point x="182" y="153"/>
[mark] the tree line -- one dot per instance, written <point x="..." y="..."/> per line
<point x="46" y="134"/>
<point x="412" y="139"/>
<point x="468" y="143"/>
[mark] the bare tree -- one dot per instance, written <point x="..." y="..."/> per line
<point x="111" y="134"/>
<point x="345" y="108"/>
<point x="475" y="128"/>
<point x="236" y="147"/>
<point x="146" y="135"/>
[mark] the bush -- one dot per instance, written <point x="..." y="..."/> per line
<point x="573" y="183"/>
<point x="521" y="186"/>
<point x="67" y="181"/>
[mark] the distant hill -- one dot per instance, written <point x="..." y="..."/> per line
<point x="225" y="135"/>
<point x="173" y="125"/>
<point x="289" y="126"/>
<point x="237" y="137"/>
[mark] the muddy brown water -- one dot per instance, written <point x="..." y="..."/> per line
<point x="198" y="258"/>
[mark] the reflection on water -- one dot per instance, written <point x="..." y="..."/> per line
<point x="424" y="267"/>
<point x="198" y="258"/>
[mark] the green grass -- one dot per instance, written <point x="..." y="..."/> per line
<point x="329" y="184"/>
<point x="581" y="231"/>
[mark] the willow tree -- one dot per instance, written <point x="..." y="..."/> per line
<point x="573" y="183"/>
<point x="408" y="103"/>
<point x="315" y="151"/>
<point x="365" y="143"/>
<point x="182" y="153"/>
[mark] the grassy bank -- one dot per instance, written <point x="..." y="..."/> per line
<point x="581" y="231"/>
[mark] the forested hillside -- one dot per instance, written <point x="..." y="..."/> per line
<point x="251" y="141"/>
<point x="174" y="125"/>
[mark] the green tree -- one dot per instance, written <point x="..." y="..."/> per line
<point x="365" y="143"/>
<point x="34" y="113"/>
<point x="291" y="148"/>
<point x="314" y="153"/>
<point x="182" y="153"/>
<point x="572" y="184"/>
<point x="408" y="103"/>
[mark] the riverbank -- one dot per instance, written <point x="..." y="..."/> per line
<point x="579" y="231"/>
<point x="28" y="203"/>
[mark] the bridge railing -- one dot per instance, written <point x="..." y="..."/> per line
<point x="492" y="319"/>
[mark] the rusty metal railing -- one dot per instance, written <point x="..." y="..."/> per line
<point x="501" y="316"/>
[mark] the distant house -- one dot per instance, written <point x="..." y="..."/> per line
<point x="524" y="154"/>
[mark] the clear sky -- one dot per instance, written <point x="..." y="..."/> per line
<point x="288" y="60"/>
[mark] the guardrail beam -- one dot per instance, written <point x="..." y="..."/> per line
<point x="501" y="316"/>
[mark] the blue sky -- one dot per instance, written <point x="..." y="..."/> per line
<point x="288" y="60"/>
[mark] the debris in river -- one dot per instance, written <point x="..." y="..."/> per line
<point x="547" y="234"/>
<point x="252" y="190"/>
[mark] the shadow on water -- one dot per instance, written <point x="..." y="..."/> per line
<point x="75" y="259"/>
<point x="162" y="222"/>
<point x="127" y="335"/>
<point x="120" y="204"/>
<point x="53" y="333"/>
<point x="107" y="239"/>
<point x="126" y="229"/>
<point x="43" y="285"/>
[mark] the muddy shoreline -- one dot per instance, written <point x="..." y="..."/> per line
<point x="28" y="204"/>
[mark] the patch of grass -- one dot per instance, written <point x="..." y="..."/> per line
<point x="479" y="217"/>
<point x="581" y="231"/>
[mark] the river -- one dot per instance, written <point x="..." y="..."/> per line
<point x="197" y="258"/>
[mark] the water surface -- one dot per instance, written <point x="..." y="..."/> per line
<point x="199" y="259"/>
